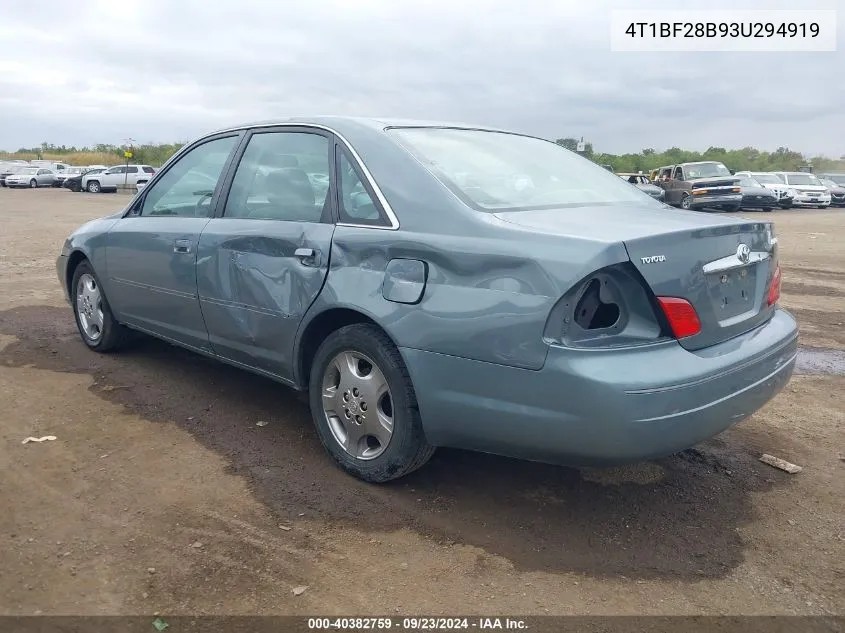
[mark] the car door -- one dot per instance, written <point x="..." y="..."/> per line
<point x="263" y="259"/>
<point x="112" y="177"/>
<point x="151" y="252"/>
<point x="44" y="177"/>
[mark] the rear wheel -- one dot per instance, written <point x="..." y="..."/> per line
<point x="33" y="184"/>
<point x="364" y="405"/>
<point x="97" y="325"/>
<point x="767" y="209"/>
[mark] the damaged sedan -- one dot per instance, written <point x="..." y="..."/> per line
<point x="439" y="285"/>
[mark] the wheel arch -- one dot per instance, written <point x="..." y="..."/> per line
<point x="315" y="331"/>
<point x="74" y="259"/>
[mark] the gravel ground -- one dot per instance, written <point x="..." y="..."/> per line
<point x="161" y="494"/>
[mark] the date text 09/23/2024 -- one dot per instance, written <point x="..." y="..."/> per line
<point x="416" y="623"/>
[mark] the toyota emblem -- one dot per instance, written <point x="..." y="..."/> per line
<point x="743" y="253"/>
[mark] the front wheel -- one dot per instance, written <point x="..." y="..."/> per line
<point x="33" y="184"/>
<point x="364" y="405"/>
<point x="686" y="202"/>
<point x="97" y="325"/>
<point x="767" y="209"/>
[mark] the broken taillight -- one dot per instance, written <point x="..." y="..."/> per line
<point x="774" y="287"/>
<point x="682" y="317"/>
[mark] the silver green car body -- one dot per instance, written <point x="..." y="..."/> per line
<point x="485" y="303"/>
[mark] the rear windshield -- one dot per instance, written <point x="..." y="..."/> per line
<point x="497" y="171"/>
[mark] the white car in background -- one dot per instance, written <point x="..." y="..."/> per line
<point x="117" y="176"/>
<point x="783" y="192"/>
<point x="31" y="177"/>
<point x="809" y="190"/>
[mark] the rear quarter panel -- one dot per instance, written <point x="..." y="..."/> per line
<point x="485" y="298"/>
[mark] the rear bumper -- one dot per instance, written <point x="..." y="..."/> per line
<point x="595" y="407"/>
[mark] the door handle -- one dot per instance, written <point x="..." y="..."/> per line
<point x="307" y="256"/>
<point x="182" y="246"/>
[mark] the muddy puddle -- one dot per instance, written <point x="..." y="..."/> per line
<point x="816" y="361"/>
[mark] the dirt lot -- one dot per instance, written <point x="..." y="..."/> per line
<point x="162" y="494"/>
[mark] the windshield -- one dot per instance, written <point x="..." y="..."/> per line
<point x="839" y="179"/>
<point x="749" y="182"/>
<point x="497" y="171"/>
<point x="803" y="179"/>
<point x="770" y="179"/>
<point x="706" y="170"/>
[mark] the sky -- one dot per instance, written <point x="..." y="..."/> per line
<point x="101" y="71"/>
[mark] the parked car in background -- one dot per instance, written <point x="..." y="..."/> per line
<point x="74" y="182"/>
<point x="837" y="192"/>
<point x="114" y="177"/>
<point x="604" y="328"/>
<point x="700" y="186"/>
<point x="61" y="176"/>
<point x="641" y="182"/>
<point x="838" y="178"/>
<point x="809" y="191"/>
<point x="756" y="196"/>
<point x="10" y="170"/>
<point x="31" y="177"/>
<point x="50" y="164"/>
<point x="783" y="192"/>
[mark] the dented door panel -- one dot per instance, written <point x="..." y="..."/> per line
<point x="256" y="279"/>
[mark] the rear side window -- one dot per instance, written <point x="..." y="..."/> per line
<point x="356" y="203"/>
<point x="132" y="170"/>
<point x="149" y="170"/>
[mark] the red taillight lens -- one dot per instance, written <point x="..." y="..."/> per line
<point x="774" y="287"/>
<point x="681" y="316"/>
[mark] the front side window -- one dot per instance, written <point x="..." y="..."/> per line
<point x="497" y="171"/>
<point x="187" y="187"/>
<point x="117" y="170"/>
<point x="282" y="176"/>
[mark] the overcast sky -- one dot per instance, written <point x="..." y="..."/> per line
<point x="92" y="71"/>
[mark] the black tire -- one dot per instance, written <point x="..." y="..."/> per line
<point x="767" y="209"/>
<point x="93" y="186"/>
<point x="685" y="202"/>
<point x="113" y="334"/>
<point x="407" y="449"/>
<point x="33" y="184"/>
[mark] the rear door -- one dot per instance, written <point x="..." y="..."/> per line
<point x="263" y="259"/>
<point x="151" y="252"/>
<point x="723" y="271"/>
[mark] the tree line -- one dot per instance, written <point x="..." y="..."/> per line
<point x="782" y="159"/>
<point x="747" y="158"/>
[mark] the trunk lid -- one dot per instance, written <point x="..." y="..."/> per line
<point x="721" y="265"/>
